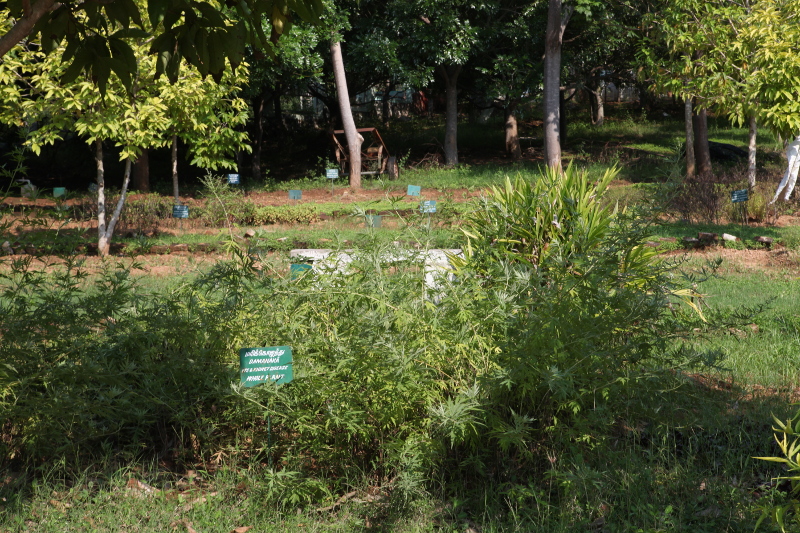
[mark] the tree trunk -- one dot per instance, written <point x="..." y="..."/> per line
<point x="278" y="109"/>
<point x="105" y="230"/>
<point x="562" y="120"/>
<point x="556" y="24"/>
<point x="701" y="150"/>
<point x="792" y="167"/>
<point x="450" y="74"/>
<point x="385" y="104"/>
<point x="101" y="198"/>
<point x="512" y="133"/>
<point x="258" y="134"/>
<point x="354" y="139"/>
<point x="687" y="115"/>
<point x="598" y="109"/>
<point x="751" y="153"/>
<point x="141" y="172"/>
<point x="24" y="25"/>
<point x="175" y="190"/>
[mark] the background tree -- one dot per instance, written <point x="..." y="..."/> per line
<point x="354" y="139"/>
<point x="297" y="58"/>
<point x="98" y="34"/>
<point x="440" y="36"/>
<point x="706" y="64"/>
<point x="509" y="63"/>
<point x="34" y="95"/>
<point x="558" y="16"/>
<point x="772" y="31"/>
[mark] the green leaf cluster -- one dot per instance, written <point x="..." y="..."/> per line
<point x="37" y="94"/>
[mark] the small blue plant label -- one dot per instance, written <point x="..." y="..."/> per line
<point x="332" y="173"/>
<point x="233" y="179"/>
<point x="428" y="206"/>
<point x="295" y="271"/>
<point x="180" y="211"/>
<point x="413" y="190"/>
<point x="262" y="365"/>
<point x="295" y="194"/>
<point x="739" y="196"/>
<point x="373" y="221"/>
<point x="59" y="191"/>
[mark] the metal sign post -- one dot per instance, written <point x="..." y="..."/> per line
<point x="332" y="174"/>
<point x="740" y="197"/>
<point x="180" y="212"/>
<point x="428" y="206"/>
<point x="263" y="365"/>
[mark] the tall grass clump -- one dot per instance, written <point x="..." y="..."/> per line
<point x="555" y="319"/>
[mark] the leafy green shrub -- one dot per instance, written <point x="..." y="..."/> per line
<point x="756" y="205"/>
<point x="144" y="212"/>
<point x="585" y="301"/>
<point x="557" y="313"/>
<point x="225" y="204"/>
<point x="787" y="435"/>
<point x="288" y="214"/>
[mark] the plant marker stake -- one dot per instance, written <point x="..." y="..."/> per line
<point x="332" y="174"/>
<point x="269" y="439"/>
<point x="740" y="197"/>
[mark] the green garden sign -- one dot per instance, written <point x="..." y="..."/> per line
<point x="739" y="196"/>
<point x="428" y="206"/>
<point x="262" y="365"/>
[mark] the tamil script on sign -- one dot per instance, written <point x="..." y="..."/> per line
<point x="262" y="365"/>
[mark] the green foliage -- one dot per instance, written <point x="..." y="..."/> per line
<point x="144" y="212"/>
<point x="786" y="435"/>
<point x="288" y="214"/>
<point x="209" y="38"/>
<point x="530" y="221"/>
<point x="225" y="205"/>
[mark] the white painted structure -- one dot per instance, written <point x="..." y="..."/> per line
<point x="436" y="262"/>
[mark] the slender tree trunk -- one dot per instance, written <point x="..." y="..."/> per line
<point x="751" y="153"/>
<point x="105" y="227"/>
<point x="101" y="195"/>
<point x="258" y="134"/>
<point x="702" y="152"/>
<point x="512" y="132"/>
<point x="687" y="115"/>
<point x="563" y="122"/>
<point x="385" y="104"/>
<point x="599" y="114"/>
<point x="556" y="24"/>
<point x="278" y="109"/>
<point x="23" y="26"/>
<point x="175" y="189"/>
<point x="354" y="139"/>
<point x="141" y="172"/>
<point x="450" y="74"/>
<point x="792" y="167"/>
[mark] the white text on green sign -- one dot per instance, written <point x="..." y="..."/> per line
<point x="739" y="196"/>
<point x="261" y="365"/>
